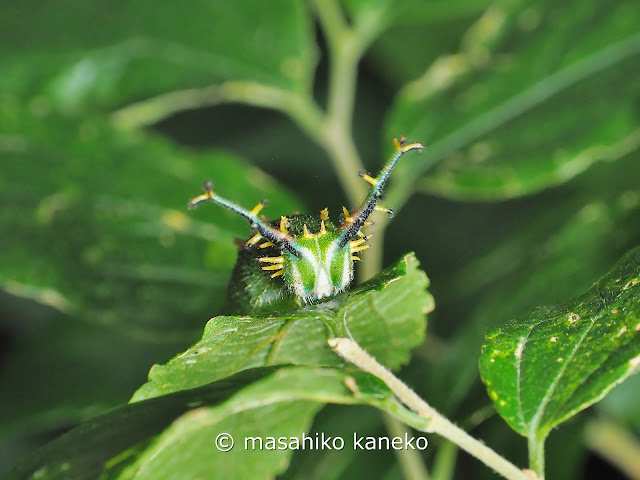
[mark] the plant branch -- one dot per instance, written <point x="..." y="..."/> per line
<point x="346" y="163"/>
<point x="299" y="107"/>
<point x="437" y="423"/>
<point x="346" y="46"/>
<point x="331" y="130"/>
<point x="343" y="58"/>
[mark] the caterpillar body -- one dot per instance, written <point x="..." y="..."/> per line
<point x="300" y="258"/>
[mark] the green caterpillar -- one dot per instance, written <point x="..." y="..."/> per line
<point x="301" y="258"/>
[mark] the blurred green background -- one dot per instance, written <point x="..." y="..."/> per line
<point x="112" y="116"/>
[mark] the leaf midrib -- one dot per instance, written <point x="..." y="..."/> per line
<point x="535" y="421"/>
<point x="519" y="104"/>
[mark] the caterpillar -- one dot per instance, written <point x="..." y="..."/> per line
<point x="300" y="259"/>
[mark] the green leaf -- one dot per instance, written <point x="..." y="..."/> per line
<point x="281" y="406"/>
<point x="106" y="437"/>
<point x="551" y="248"/>
<point x="435" y="26"/>
<point x="95" y="225"/>
<point x="64" y="358"/>
<point x="504" y="125"/>
<point x="105" y="232"/>
<point x="386" y="316"/>
<point x="543" y="369"/>
<point x="144" y="48"/>
<point x="130" y="442"/>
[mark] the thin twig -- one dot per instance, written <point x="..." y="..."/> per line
<point x="344" y="55"/>
<point x="352" y="352"/>
<point x="299" y="107"/>
<point x="343" y="58"/>
<point x="346" y="45"/>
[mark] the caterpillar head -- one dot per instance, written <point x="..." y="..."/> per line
<point x="310" y="255"/>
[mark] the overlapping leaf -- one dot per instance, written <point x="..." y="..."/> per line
<point x="546" y="367"/>
<point x="560" y="244"/>
<point x="96" y="220"/>
<point x="386" y="316"/>
<point x="95" y="225"/>
<point x="532" y="115"/>
<point x="91" y="53"/>
<point x="280" y="407"/>
<point x="97" y="441"/>
<point x="130" y="442"/>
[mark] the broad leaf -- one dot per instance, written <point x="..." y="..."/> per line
<point x="544" y="368"/>
<point x="130" y="442"/>
<point x="104" y="228"/>
<point x="97" y="441"/>
<point x="510" y="127"/>
<point x="385" y="315"/>
<point x="95" y="224"/>
<point x="142" y="48"/>
<point x="436" y="26"/>
<point x="532" y="252"/>
<point x="281" y="406"/>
